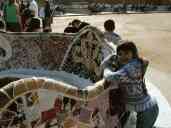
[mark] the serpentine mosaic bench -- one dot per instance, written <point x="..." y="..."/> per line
<point x="53" y="80"/>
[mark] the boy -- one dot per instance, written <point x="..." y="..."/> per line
<point x="109" y="33"/>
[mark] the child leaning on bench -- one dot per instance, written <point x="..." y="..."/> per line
<point x="129" y="75"/>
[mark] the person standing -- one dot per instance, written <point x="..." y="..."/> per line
<point x="12" y="16"/>
<point x="47" y="16"/>
<point x="34" y="25"/>
<point x="112" y="39"/>
<point x="2" y="26"/>
<point x="1" y="7"/>
<point x="33" y="7"/>
<point x="110" y="35"/>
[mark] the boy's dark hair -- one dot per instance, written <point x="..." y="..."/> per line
<point x="2" y="24"/>
<point x="128" y="46"/>
<point x="109" y="25"/>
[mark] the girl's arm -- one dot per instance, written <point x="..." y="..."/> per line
<point x="118" y="76"/>
<point x="110" y="62"/>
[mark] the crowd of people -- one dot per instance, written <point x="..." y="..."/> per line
<point x="26" y="16"/>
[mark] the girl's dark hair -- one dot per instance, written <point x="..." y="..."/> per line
<point x="128" y="46"/>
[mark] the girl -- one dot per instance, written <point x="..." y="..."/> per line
<point x="130" y="78"/>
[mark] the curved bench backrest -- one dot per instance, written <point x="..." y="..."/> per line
<point x="85" y="54"/>
<point x="33" y="50"/>
<point x="79" y="53"/>
<point x="52" y="97"/>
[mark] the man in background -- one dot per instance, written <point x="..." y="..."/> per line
<point x="33" y="7"/>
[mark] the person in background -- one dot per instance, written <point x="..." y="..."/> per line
<point x="48" y="16"/>
<point x="12" y="16"/>
<point x="42" y="12"/>
<point x="25" y="16"/>
<point x="1" y="7"/>
<point x="73" y="27"/>
<point x="76" y="24"/>
<point x="2" y="26"/>
<point x="34" y="25"/>
<point x="110" y="35"/>
<point x="23" y="7"/>
<point x="111" y="38"/>
<point x="33" y="7"/>
<point x="69" y="28"/>
<point x="128" y="72"/>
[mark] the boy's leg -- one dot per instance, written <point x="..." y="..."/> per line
<point x="147" y="118"/>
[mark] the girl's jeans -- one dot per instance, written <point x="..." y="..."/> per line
<point x="146" y="119"/>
